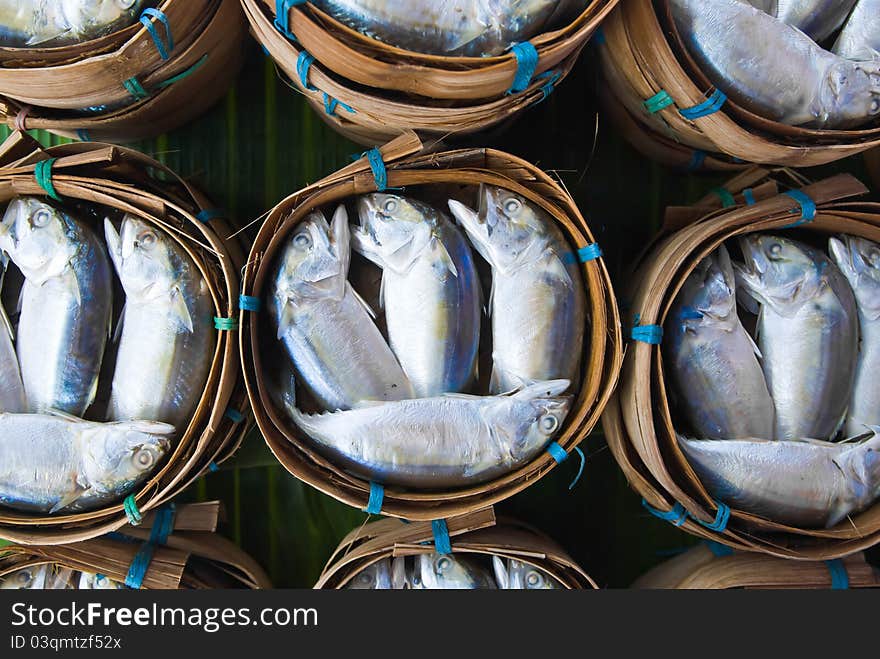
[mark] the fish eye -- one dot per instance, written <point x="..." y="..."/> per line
<point x="512" y="206"/>
<point x="147" y="239"/>
<point x="443" y="564"/>
<point x="534" y="580"/>
<point x="390" y="206"/>
<point x="302" y="240"/>
<point x="549" y="424"/>
<point x="417" y="580"/>
<point x="41" y="218"/>
<point x="364" y="578"/>
<point x="875" y="106"/>
<point x="24" y="576"/>
<point x="775" y="249"/>
<point x="874" y="257"/>
<point x="144" y="459"/>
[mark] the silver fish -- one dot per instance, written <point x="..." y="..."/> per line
<point x="376" y="576"/>
<point x="818" y="19"/>
<point x="12" y="398"/>
<point x="537" y="300"/>
<point x="712" y="359"/>
<point x="25" y="23"/>
<point x="860" y="38"/>
<point x="808" y="483"/>
<point x="167" y="338"/>
<point x="326" y="328"/>
<point x="808" y="332"/>
<point x="776" y="70"/>
<point x="859" y="261"/>
<point x="430" y="290"/>
<point x="67" y="300"/>
<point x="58" y="463"/>
<point x="468" y="28"/>
<point x="516" y="575"/>
<point x="446" y="441"/>
<point x="91" y="581"/>
<point x="27" y="578"/>
<point x="447" y="572"/>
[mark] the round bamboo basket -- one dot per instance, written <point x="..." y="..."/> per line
<point x="371" y="92"/>
<point x="128" y="181"/>
<point x="193" y="556"/>
<point x="474" y="535"/>
<point x="872" y="161"/>
<point x="705" y="568"/>
<point x="127" y="86"/>
<point x="642" y="55"/>
<point x="638" y="419"/>
<point x="454" y="170"/>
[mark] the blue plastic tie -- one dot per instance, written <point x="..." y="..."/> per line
<point x="265" y="51"/>
<point x="164" y="47"/>
<point x="697" y="160"/>
<point x="806" y="205"/>
<point x="710" y="106"/>
<point x="234" y="415"/>
<point x="282" y="16"/>
<point x="839" y="575"/>
<point x="43" y="174"/>
<point x="749" y="196"/>
<point x="724" y="195"/>
<point x="377" y="496"/>
<point x="721" y="519"/>
<point x="548" y="87"/>
<point x="134" y="87"/>
<point x="658" y="101"/>
<point x="209" y="214"/>
<point x="249" y="303"/>
<point x="163" y="525"/>
<point x="651" y="334"/>
<point x="377" y="164"/>
<point x="303" y="64"/>
<point x="718" y="549"/>
<point x="83" y="135"/>
<point x="139" y="566"/>
<point x="213" y="468"/>
<point x="678" y="515"/>
<point x="330" y="105"/>
<point x="557" y="453"/>
<point x="225" y="324"/>
<point x="129" y="505"/>
<point x="442" y="543"/>
<point x="526" y="62"/>
<point x="589" y="253"/>
<point x="185" y="73"/>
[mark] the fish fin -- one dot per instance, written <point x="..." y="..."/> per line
<point x="286" y="319"/>
<point x="20" y="303"/>
<point x="382" y="291"/>
<point x="73" y="287"/>
<point x="439" y="251"/>
<point x="6" y="323"/>
<point x="538" y="389"/>
<point x="93" y="393"/>
<point x="556" y="267"/>
<point x="367" y="307"/>
<point x="69" y="498"/>
<point x="181" y="312"/>
<point x="468" y="36"/>
<point x="362" y="404"/>
<point x="117" y="333"/>
<point x="114" y="244"/>
<point x="502" y="578"/>
<point x="398" y="573"/>
<point x="488" y="308"/>
<point x="61" y="414"/>
<point x="753" y="344"/>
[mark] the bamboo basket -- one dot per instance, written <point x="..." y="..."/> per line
<point x="371" y="92"/>
<point x="704" y="569"/>
<point x="638" y="419"/>
<point x="131" y="182"/>
<point x="872" y="161"/>
<point x="453" y="169"/>
<point x="642" y="55"/>
<point x="474" y="534"/>
<point x="193" y="556"/>
<point x="119" y="87"/>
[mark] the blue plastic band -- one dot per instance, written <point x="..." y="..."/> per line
<point x="710" y="106"/>
<point x="234" y="415"/>
<point x="129" y="505"/>
<point x="139" y="566"/>
<point x="839" y="575"/>
<point x="43" y="174"/>
<point x="806" y="205"/>
<point x="442" y="543"/>
<point x="689" y="313"/>
<point x="557" y="453"/>
<point x="658" y="101"/>
<point x="209" y="214"/>
<point x="330" y="105"/>
<point x="589" y="253"/>
<point x="724" y="195"/>
<point x="303" y="64"/>
<point x="721" y="519"/>
<point x="213" y="468"/>
<point x="225" y="324"/>
<point x="697" y="160"/>
<point x="164" y="47"/>
<point x="163" y="525"/>
<point x="526" y="62"/>
<point x="749" y="196"/>
<point x="548" y="87"/>
<point x="249" y="303"/>
<point x="83" y="135"/>
<point x="134" y="87"/>
<point x="265" y="50"/>
<point x="651" y="334"/>
<point x="580" y="473"/>
<point x="377" y="164"/>
<point x="678" y="515"/>
<point x="377" y="496"/>
<point x="183" y="74"/>
<point x="282" y="16"/>
<point x="718" y="549"/>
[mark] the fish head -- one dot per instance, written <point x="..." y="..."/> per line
<point x="851" y="92"/>
<point x="708" y="295"/>
<point x="532" y="416"/>
<point x="522" y="576"/>
<point x="406" y="574"/>
<point x="39" y="238"/>
<point x="144" y="258"/>
<point x="446" y="572"/>
<point x="779" y="272"/>
<point x="373" y="577"/>
<point x="27" y="578"/>
<point x="393" y="229"/>
<point x="88" y="15"/>
<point x="859" y="261"/>
<point x="117" y="456"/>
<point x="314" y="264"/>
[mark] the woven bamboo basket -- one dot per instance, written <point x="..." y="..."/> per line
<point x="643" y="60"/>
<point x="474" y="534"/>
<point x="371" y="92"/>
<point x="708" y="568"/>
<point x="453" y="170"/>
<point x="872" y="161"/>
<point x="191" y="555"/>
<point x="130" y="84"/>
<point x="638" y="419"/>
<point x="126" y="180"/>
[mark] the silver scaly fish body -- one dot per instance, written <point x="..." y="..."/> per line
<point x="468" y="28"/>
<point x="516" y="575"/>
<point x="54" y="463"/>
<point x="739" y="47"/>
<point x="26" y="23"/>
<point x="859" y="261"/>
<point x="537" y="301"/>
<point x="712" y="359"/>
<point x="91" y="581"/>
<point x="448" y="572"/>
<point x="860" y="38"/>
<point x="373" y="577"/>
<point x="339" y="353"/>
<point x="818" y="19"/>
<point x="808" y="332"/>
<point x="33" y="577"/>
<point x="167" y="339"/>
<point x="430" y="290"/>
<point x="807" y="483"/>
<point x="446" y="441"/>
<point x="12" y="398"/>
<point x="67" y="300"/>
